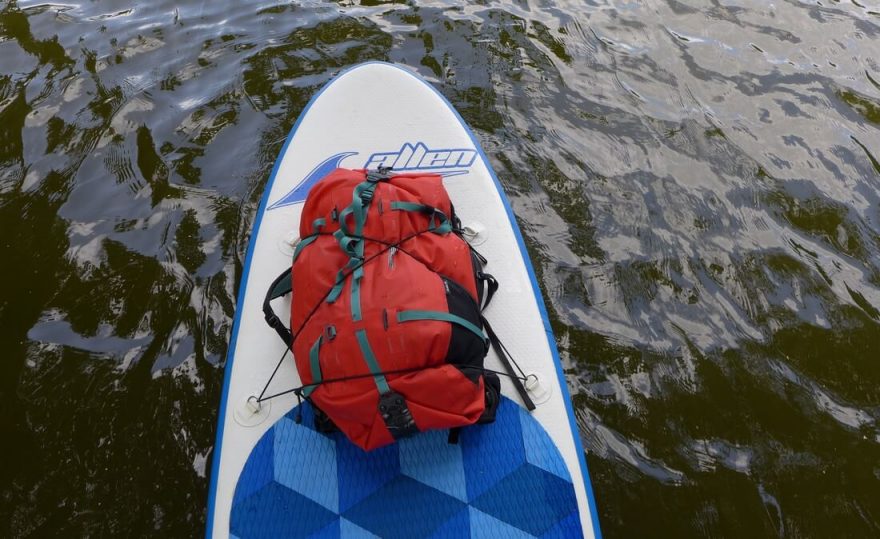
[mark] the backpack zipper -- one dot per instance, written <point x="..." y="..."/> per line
<point x="391" y="252"/>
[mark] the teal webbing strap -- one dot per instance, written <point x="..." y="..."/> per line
<point x="443" y="228"/>
<point x="354" y="264"/>
<point x="315" y="365"/>
<point x="346" y="243"/>
<point x="317" y="225"/>
<point x="337" y="288"/>
<point x="408" y="316"/>
<point x="343" y="220"/>
<point x="302" y="245"/>
<point x="411" y="206"/>
<point x="356" y="294"/>
<point x="356" y="300"/>
<point x="352" y="244"/>
<point x="349" y="245"/>
<point x="283" y="287"/>
<point x="360" y="199"/>
<point x="372" y="363"/>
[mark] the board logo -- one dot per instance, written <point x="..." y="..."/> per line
<point x="419" y="157"/>
<point x="410" y="157"/>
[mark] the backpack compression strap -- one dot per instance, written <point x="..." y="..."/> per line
<point x="506" y="360"/>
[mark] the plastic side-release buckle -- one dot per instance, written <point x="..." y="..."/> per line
<point x="396" y="414"/>
<point x="378" y="175"/>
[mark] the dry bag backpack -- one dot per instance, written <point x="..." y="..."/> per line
<point x="387" y="333"/>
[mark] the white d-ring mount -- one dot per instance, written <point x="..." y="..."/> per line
<point x="251" y="412"/>
<point x="475" y="233"/>
<point x="288" y="243"/>
<point x="540" y="393"/>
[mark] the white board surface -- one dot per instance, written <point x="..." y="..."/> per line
<point x="372" y="114"/>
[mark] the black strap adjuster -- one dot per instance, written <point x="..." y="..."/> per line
<point x="381" y="174"/>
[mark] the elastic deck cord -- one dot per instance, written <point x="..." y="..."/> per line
<point x="388" y="246"/>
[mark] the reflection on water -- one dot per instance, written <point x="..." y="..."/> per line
<point x="699" y="187"/>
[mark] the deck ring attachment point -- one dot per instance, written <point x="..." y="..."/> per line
<point x="251" y="412"/>
<point x="287" y="244"/>
<point x="475" y="233"/>
<point x="540" y="393"/>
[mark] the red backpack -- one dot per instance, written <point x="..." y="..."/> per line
<point x="388" y="335"/>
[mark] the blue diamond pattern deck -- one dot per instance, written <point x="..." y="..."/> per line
<point x="506" y="479"/>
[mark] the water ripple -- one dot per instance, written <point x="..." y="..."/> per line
<point x="698" y="186"/>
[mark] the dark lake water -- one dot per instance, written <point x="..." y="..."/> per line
<point x="698" y="183"/>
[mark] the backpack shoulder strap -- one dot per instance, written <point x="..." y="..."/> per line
<point x="281" y="286"/>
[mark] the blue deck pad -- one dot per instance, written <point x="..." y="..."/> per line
<point x="431" y="459"/>
<point x="506" y="479"/>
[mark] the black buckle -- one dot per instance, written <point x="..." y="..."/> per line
<point x="273" y="320"/>
<point x="396" y="414"/>
<point x="379" y="175"/>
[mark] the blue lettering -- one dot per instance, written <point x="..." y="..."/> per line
<point x="381" y="160"/>
<point x="419" y="157"/>
<point x="436" y="159"/>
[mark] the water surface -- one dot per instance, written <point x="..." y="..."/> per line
<point x="698" y="184"/>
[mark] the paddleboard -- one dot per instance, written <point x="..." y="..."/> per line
<point x="274" y="475"/>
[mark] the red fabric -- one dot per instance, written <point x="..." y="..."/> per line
<point x="438" y="395"/>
